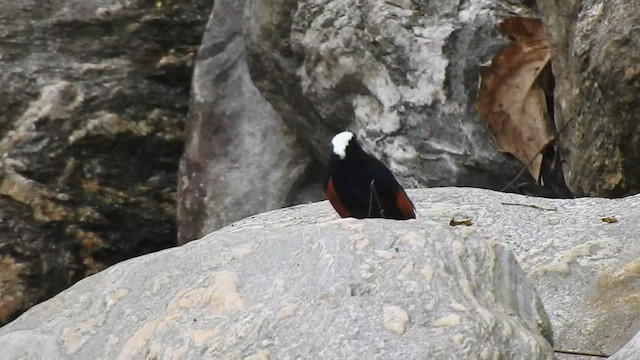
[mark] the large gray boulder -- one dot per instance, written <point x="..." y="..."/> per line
<point x="93" y="96"/>
<point x="296" y="283"/>
<point x="402" y="75"/>
<point x="584" y="268"/>
<point x="629" y="351"/>
<point x="595" y="52"/>
<point x="240" y="158"/>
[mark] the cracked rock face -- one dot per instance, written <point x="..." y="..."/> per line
<point x="284" y="285"/>
<point x="92" y="103"/>
<point x="240" y="157"/>
<point x="402" y="75"/>
<point x="595" y="54"/>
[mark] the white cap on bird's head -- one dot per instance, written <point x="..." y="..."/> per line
<point x="340" y="143"/>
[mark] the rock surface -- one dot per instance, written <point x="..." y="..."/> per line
<point x="583" y="267"/>
<point x="401" y="75"/>
<point x="240" y="158"/>
<point x="92" y="102"/>
<point x="629" y="351"/>
<point x="295" y="284"/>
<point x="595" y="54"/>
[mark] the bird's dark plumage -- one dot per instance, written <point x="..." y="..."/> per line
<point x="360" y="186"/>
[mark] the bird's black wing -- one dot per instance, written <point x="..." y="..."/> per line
<point x="392" y="197"/>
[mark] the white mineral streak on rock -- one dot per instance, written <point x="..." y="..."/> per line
<point x="395" y="318"/>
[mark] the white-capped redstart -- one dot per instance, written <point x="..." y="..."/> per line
<point x="361" y="186"/>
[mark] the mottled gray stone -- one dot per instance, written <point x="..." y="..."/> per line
<point x="240" y="158"/>
<point x="93" y="96"/>
<point x="595" y="54"/>
<point x="402" y="75"/>
<point x="629" y="351"/>
<point x="297" y="283"/>
<point x="583" y="268"/>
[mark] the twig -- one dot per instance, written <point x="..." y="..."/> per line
<point x="394" y="5"/>
<point x="531" y="206"/>
<point x="583" y="353"/>
<point x="370" y="197"/>
<point x="372" y="192"/>
<point x="524" y="168"/>
<point x="572" y="325"/>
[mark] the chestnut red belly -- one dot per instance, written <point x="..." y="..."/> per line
<point x="364" y="202"/>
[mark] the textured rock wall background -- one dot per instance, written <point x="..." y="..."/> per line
<point x="402" y="75"/>
<point x="93" y="97"/>
<point x="240" y="157"/>
<point x="595" y="54"/>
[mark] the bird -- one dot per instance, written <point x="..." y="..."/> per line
<point x="360" y="186"/>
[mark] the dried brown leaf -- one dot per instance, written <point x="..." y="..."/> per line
<point x="509" y="98"/>
<point x="465" y="222"/>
